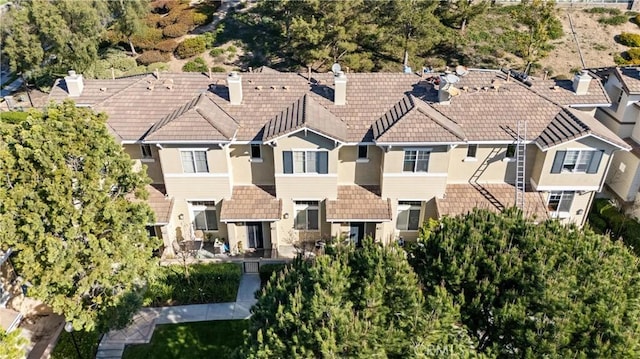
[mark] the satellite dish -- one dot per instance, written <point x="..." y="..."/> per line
<point x="461" y="70"/>
<point x="452" y="79"/>
<point x="335" y="68"/>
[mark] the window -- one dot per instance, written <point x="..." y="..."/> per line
<point x="306" y="161"/>
<point x="151" y="231"/>
<point x="146" y="151"/>
<point x="577" y="161"/>
<point x="416" y="161"/>
<point x="408" y="215"/>
<point x="256" y="152"/>
<point x="471" y="151"/>
<point x="363" y="152"/>
<point x="194" y="161"/>
<point x="204" y="215"/>
<point x="307" y="216"/>
<point x="511" y="151"/>
<point x="560" y="201"/>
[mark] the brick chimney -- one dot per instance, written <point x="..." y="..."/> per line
<point x="75" y="84"/>
<point x="340" y="91"/>
<point x="581" y="83"/>
<point x="234" y="83"/>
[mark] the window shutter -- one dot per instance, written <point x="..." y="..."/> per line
<point x="288" y="161"/>
<point x="595" y="162"/>
<point x="558" y="161"/>
<point x="323" y="162"/>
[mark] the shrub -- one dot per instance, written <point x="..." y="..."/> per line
<point x="603" y="10"/>
<point x="160" y="66"/>
<point x="613" y="20"/>
<point x="196" y="65"/>
<point x="209" y="38"/>
<point x="190" y="47"/>
<point x="207" y="283"/>
<point x="167" y="45"/>
<point x="175" y="30"/>
<point x="216" y="52"/>
<point x="266" y="270"/>
<point x="232" y="49"/>
<point x="13" y="116"/>
<point x="634" y="53"/>
<point x="629" y="39"/>
<point x="149" y="57"/>
<point x="606" y="218"/>
<point x="200" y="18"/>
<point x="152" y="20"/>
<point x="619" y="59"/>
<point x="147" y="39"/>
<point x="218" y="69"/>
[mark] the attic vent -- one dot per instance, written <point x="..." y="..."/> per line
<point x="285" y="87"/>
<point x="465" y="88"/>
<point x="168" y="84"/>
<point x="258" y="88"/>
<point x="103" y="89"/>
<point x="151" y="86"/>
<point x="273" y="87"/>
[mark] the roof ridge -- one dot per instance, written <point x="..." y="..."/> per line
<point x="211" y="122"/>
<point x="121" y="90"/>
<point x="173" y="115"/>
<point x="455" y="130"/>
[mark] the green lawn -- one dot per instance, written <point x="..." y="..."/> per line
<point x="215" y="339"/>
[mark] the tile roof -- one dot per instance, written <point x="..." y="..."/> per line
<point x="561" y="92"/>
<point x="251" y="203"/>
<point x="158" y="201"/>
<point x="485" y="110"/>
<point x="358" y="203"/>
<point x="630" y="78"/>
<point x="564" y="127"/>
<point x="412" y="120"/>
<point x="198" y="119"/>
<point x="307" y="113"/>
<point x="461" y="198"/>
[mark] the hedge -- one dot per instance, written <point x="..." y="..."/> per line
<point x="147" y="39"/>
<point x="606" y="218"/>
<point x="167" y="45"/>
<point x="152" y="56"/>
<point x="218" y="69"/>
<point x="13" y="116"/>
<point x="175" y="30"/>
<point x="190" y="47"/>
<point x="613" y="20"/>
<point x="207" y="283"/>
<point x="629" y="39"/>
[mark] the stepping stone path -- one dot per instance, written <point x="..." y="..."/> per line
<point x="144" y="322"/>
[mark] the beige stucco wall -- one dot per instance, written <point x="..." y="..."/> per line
<point x="397" y="184"/>
<point x="154" y="169"/>
<point x="581" y="201"/>
<point x="302" y="185"/>
<point x="624" y="175"/>
<point x="247" y="171"/>
<point x="354" y="171"/>
<point x="497" y="170"/>
<point x="180" y="206"/>
<point x="542" y="175"/>
<point x="172" y="162"/>
<point x="288" y="235"/>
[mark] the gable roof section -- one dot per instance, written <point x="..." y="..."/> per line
<point x="561" y="92"/>
<point x="199" y="119"/>
<point x="306" y="113"/>
<point x="629" y="77"/>
<point x="412" y="120"/>
<point x="570" y="124"/>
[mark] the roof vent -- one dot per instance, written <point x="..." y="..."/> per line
<point x="168" y="83"/>
<point x="446" y="90"/>
<point x="521" y="76"/>
<point x="581" y="82"/>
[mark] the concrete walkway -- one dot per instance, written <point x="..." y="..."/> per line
<point x="144" y="322"/>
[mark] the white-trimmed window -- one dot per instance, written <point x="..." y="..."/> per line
<point x="204" y="215"/>
<point x="408" y="215"/>
<point x="145" y="150"/>
<point x="416" y="160"/>
<point x="194" y="161"/>
<point x="256" y="152"/>
<point x="363" y="152"/>
<point x="472" y="150"/>
<point x="306" y="161"/>
<point x="577" y="161"/>
<point x="307" y="216"/>
<point x="560" y="201"/>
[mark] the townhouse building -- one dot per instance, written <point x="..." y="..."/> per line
<point x="264" y="159"/>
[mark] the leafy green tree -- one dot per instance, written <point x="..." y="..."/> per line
<point x="12" y="345"/>
<point x="65" y="209"/>
<point x="539" y="17"/>
<point x="362" y="303"/>
<point x="129" y="16"/>
<point x="459" y="13"/>
<point x="535" y="290"/>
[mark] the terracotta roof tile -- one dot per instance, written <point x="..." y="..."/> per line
<point x="461" y="198"/>
<point x="158" y="201"/>
<point x="251" y="203"/>
<point x="358" y="203"/>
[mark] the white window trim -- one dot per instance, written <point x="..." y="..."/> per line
<point x="305" y="150"/>
<point x="408" y="207"/>
<point x="580" y="152"/>
<point x="192" y="150"/>
<point x="417" y="150"/>
<point x="304" y="207"/>
<point x="193" y="208"/>
<point x="560" y="214"/>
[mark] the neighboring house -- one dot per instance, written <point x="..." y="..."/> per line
<point x="264" y="159"/>
<point x="623" y="118"/>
